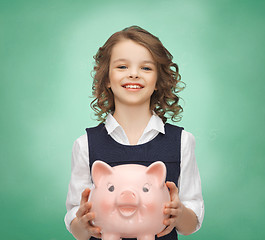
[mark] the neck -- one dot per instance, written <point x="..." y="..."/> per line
<point x="133" y="119"/>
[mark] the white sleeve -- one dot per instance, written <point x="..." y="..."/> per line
<point x="80" y="178"/>
<point x="190" y="192"/>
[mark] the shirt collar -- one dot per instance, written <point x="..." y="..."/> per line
<point x="111" y="124"/>
<point x="155" y="123"/>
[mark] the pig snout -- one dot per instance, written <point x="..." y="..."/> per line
<point x="128" y="197"/>
<point x="127" y="203"/>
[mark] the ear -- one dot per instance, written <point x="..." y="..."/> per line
<point x="100" y="169"/>
<point x="108" y="83"/>
<point x="158" y="170"/>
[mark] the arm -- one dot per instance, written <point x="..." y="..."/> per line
<point x="186" y="202"/>
<point x="81" y="225"/>
<point x="190" y="191"/>
<point x="181" y="218"/>
<point x="78" y="209"/>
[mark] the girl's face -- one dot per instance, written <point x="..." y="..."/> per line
<point x="132" y="73"/>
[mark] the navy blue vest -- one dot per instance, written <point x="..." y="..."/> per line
<point x="164" y="147"/>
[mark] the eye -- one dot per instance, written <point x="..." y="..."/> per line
<point x="111" y="187"/>
<point x="122" y="67"/>
<point x="146" y="68"/>
<point x="146" y="187"/>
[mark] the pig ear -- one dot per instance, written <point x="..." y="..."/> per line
<point x="100" y="169"/>
<point x="158" y="171"/>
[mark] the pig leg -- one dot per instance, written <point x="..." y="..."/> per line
<point x="110" y="236"/>
<point x="146" y="237"/>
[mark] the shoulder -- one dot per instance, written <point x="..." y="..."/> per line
<point x="171" y="127"/>
<point x="96" y="129"/>
<point x="187" y="139"/>
<point x="80" y="143"/>
<point x="173" y="131"/>
<point x="80" y="156"/>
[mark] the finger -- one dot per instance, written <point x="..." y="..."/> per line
<point x="171" y="211"/>
<point x="170" y="222"/>
<point x="83" y="209"/>
<point x="85" y="195"/>
<point x="173" y="190"/>
<point x="166" y="231"/>
<point x="98" y="235"/>
<point x="88" y="217"/>
<point x="95" y="232"/>
<point x="172" y="187"/>
<point x="173" y="204"/>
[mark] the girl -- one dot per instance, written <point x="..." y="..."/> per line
<point x="135" y="88"/>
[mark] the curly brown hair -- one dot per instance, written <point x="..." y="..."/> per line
<point x="164" y="100"/>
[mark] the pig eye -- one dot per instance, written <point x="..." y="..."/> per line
<point x="146" y="187"/>
<point x="111" y="187"/>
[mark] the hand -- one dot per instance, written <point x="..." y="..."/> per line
<point x="84" y="216"/>
<point x="174" y="209"/>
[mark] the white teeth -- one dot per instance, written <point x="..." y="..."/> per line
<point x="132" y="86"/>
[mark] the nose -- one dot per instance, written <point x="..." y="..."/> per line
<point x="133" y="74"/>
<point x="128" y="197"/>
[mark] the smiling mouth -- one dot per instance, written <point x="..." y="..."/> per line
<point x="127" y="211"/>
<point x="132" y="86"/>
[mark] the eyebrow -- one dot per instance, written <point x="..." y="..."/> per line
<point x="125" y="60"/>
<point x="149" y="62"/>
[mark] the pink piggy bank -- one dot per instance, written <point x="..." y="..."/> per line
<point x="128" y="200"/>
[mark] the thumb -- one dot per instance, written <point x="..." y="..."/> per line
<point x="85" y="195"/>
<point x="173" y="190"/>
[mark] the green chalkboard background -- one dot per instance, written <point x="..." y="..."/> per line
<point x="46" y="56"/>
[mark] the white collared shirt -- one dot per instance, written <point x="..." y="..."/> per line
<point x="190" y="193"/>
